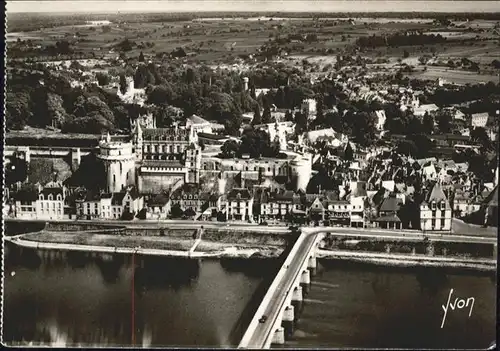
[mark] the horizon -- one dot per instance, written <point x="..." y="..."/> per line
<point x="220" y="6"/>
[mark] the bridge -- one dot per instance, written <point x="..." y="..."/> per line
<point x="284" y="297"/>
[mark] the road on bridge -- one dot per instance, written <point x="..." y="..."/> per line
<point x="265" y="330"/>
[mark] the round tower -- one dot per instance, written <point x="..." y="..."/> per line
<point x="301" y="172"/>
<point x="119" y="163"/>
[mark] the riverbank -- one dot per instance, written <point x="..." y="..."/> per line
<point x="408" y="260"/>
<point x="182" y="245"/>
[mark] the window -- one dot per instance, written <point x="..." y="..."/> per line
<point x="50" y="197"/>
<point x="443" y="205"/>
<point x="59" y="197"/>
<point x="434" y="205"/>
<point x="442" y="223"/>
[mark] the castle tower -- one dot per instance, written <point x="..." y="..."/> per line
<point x="193" y="164"/>
<point x="119" y="163"/>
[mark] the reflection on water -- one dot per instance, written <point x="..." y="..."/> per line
<point x="363" y="306"/>
<point x="73" y="298"/>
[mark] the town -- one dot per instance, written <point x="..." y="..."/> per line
<point x="251" y="179"/>
<point x="357" y="145"/>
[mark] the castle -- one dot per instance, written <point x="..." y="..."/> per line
<point x="163" y="159"/>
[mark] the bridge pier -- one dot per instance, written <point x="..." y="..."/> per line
<point x="297" y="301"/>
<point x="279" y="336"/>
<point x="305" y="280"/>
<point x="288" y="320"/>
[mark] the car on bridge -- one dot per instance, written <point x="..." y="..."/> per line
<point x="263" y="319"/>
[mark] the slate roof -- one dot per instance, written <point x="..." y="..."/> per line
<point x="194" y="119"/>
<point x="391" y="204"/>
<point x="239" y="194"/>
<point x="117" y="198"/>
<point x="436" y="194"/>
<point x="388" y="218"/>
<point x="52" y="191"/>
<point x="158" y="200"/>
<point x="164" y="133"/>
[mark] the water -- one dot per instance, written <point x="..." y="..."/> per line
<point x="362" y="306"/>
<point x="69" y="299"/>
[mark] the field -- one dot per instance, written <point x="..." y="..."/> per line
<point x="453" y="76"/>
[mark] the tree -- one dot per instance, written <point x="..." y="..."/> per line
<point x="102" y="78"/>
<point x="17" y="110"/>
<point x="229" y="149"/>
<point x="56" y="112"/>
<point x="123" y="84"/>
<point x="161" y="94"/>
<point x="480" y="136"/>
<point x="176" y="211"/>
<point x="15" y="171"/>
<point x="444" y="122"/>
<point x="257" y="119"/>
<point x="428" y="124"/>
<point x="141" y="57"/>
<point x="266" y="115"/>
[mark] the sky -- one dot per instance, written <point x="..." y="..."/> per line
<point x="113" y="6"/>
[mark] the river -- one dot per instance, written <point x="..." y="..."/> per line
<point x="69" y="299"/>
<point x="353" y="305"/>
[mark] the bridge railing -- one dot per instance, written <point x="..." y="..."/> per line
<point x="296" y="275"/>
<point x="267" y="298"/>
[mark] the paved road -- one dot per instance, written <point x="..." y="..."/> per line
<point x="484" y="236"/>
<point x="265" y="330"/>
<point x="402" y="235"/>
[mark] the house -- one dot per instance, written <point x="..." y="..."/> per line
<point x="421" y="110"/>
<point x="187" y="197"/>
<point x="238" y="205"/>
<point x="315" y="207"/>
<point x="388" y="213"/>
<point x="25" y="204"/>
<point x="132" y="201"/>
<point x="308" y="107"/>
<point x="429" y="172"/>
<point x="158" y="207"/>
<point x="50" y="202"/>
<point x="328" y="133"/>
<point x="110" y="205"/>
<point x="89" y="206"/>
<point x="357" y="204"/>
<point x="435" y="210"/>
<point x="464" y="204"/>
<point x="278" y="204"/>
<point x="479" y="119"/>
<point x="450" y="140"/>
